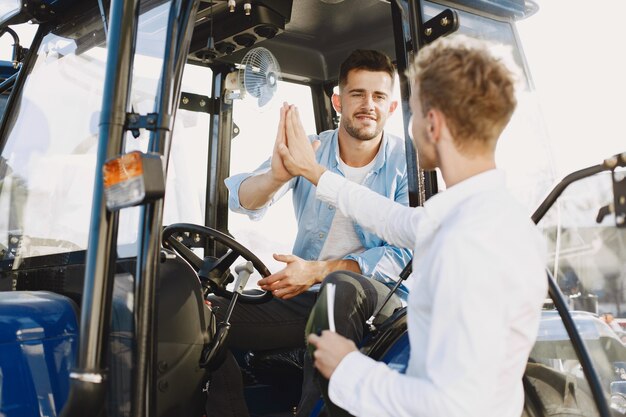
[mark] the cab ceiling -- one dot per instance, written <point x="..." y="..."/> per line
<point x="311" y="41"/>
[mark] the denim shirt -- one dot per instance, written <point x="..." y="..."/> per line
<point x="387" y="177"/>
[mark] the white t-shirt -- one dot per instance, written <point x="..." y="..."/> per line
<point x="342" y="238"/>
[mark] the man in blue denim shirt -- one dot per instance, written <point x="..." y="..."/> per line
<point x="326" y="240"/>
<point x="387" y="177"/>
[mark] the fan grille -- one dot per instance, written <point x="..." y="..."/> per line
<point x="259" y="74"/>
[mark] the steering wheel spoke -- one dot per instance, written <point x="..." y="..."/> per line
<point x="211" y="267"/>
<point x="225" y="262"/>
<point x="186" y="253"/>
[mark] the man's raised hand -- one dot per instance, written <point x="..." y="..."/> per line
<point x="278" y="170"/>
<point x="298" y="153"/>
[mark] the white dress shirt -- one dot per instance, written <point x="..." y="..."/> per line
<point x="477" y="288"/>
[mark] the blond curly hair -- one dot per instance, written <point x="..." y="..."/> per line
<point x="472" y="88"/>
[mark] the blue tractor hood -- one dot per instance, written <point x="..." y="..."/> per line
<point x="38" y="341"/>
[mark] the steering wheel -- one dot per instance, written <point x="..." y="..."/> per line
<point x="215" y="271"/>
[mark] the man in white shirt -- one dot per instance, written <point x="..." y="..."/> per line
<point x="478" y="282"/>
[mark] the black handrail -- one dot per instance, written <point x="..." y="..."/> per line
<point x="579" y="347"/>
<point x="180" y="26"/>
<point x="17" y="54"/>
<point x="88" y="379"/>
<point x="402" y="54"/>
<point x="427" y="179"/>
<point x="561" y="186"/>
<point x="14" y="99"/>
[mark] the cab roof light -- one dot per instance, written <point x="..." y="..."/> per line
<point x="132" y="179"/>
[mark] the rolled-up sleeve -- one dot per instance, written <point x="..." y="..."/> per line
<point x="383" y="262"/>
<point x="233" y="183"/>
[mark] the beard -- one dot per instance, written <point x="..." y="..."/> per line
<point x="364" y="133"/>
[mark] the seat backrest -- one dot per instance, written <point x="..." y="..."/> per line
<point x="185" y="325"/>
<point x="549" y="392"/>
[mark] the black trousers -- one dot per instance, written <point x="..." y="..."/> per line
<point x="279" y="324"/>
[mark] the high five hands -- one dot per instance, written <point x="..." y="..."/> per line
<point x="278" y="170"/>
<point x="296" y="153"/>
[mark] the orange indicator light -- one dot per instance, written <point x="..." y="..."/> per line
<point x="124" y="168"/>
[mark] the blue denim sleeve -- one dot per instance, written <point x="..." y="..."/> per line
<point x="234" y="182"/>
<point x="385" y="262"/>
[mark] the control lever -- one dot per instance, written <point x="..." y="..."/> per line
<point x="213" y="354"/>
<point x="604" y="211"/>
<point x="403" y="276"/>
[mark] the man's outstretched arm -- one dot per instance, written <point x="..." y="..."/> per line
<point x="257" y="191"/>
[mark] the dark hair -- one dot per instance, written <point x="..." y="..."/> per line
<point x="368" y="60"/>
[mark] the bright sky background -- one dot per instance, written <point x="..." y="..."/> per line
<point x="575" y="51"/>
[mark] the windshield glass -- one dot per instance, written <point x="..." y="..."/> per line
<point x="586" y="251"/>
<point x="579" y="79"/>
<point x="528" y="178"/>
<point x="47" y="165"/>
<point x="185" y="196"/>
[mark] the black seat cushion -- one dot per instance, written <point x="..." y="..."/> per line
<point x="277" y="358"/>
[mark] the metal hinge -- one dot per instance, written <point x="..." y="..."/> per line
<point x="199" y="103"/>
<point x="135" y="121"/>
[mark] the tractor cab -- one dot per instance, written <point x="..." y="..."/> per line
<point x="122" y="121"/>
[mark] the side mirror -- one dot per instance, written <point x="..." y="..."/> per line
<point x="618" y="396"/>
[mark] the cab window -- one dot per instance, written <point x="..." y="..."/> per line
<point x="47" y="169"/>
<point x="185" y="197"/>
<point x="523" y="150"/>
<point x="585" y="257"/>
<point x="249" y="149"/>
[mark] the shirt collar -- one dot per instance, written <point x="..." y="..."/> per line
<point x="379" y="160"/>
<point x="440" y="205"/>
